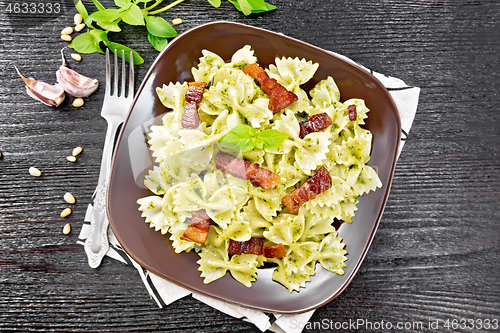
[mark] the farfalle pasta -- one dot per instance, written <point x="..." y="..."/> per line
<point x="185" y="178"/>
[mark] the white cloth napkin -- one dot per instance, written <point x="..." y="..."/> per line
<point x="165" y="292"/>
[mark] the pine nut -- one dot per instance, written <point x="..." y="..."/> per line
<point x="66" y="38"/>
<point x="78" y="19"/>
<point x="77" y="151"/>
<point x="79" y="27"/>
<point x="71" y="158"/>
<point x="69" y="198"/>
<point x="67" y="31"/>
<point x="65" y="212"/>
<point x="176" y="21"/>
<point x="76" y="56"/>
<point x="78" y="102"/>
<point x="67" y="228"/>
<point x="35" y="172"/>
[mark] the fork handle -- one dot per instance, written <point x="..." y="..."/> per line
<point x="97" y="244"/>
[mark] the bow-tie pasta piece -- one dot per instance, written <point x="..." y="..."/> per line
<point x="151" y="208"/>
<point x="215" y="262"/>
<point x="325" y="93"/>
<point x="295" y="280"/>
<point x="156" y="181"/>
<point x="331" y="254"/>
<point x="208" y="67"/>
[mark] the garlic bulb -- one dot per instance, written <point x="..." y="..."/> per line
<point x="73" y="83"/>
<point x="46" y="93"/>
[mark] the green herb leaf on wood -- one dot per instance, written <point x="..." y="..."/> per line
<point x="105" y="15"/>
<point x="119" y="48"/>
<point x="215" y="3"/>
<point x="80" y="7"/>
<point x="133" y="15"/>
<point x="98" y="5"/>
<point x="259" y="6"/>
<point x="159" y="27"/>
<point x="252" y="6"/>
<point x="99" y="34"/>
<point x="85" y="43"/>
<point x="122" y="3"/>
<point x="111" y="26"/>
<point x="159" y="43"/>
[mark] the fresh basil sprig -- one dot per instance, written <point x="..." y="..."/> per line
<point x="106" y="20"/>
<point x="159" y="31"/>
<point x="248" y="138"/>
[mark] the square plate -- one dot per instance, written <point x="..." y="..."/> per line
<point x="132" y="161"/>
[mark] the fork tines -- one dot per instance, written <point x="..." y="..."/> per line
<point x="108" y="91"/>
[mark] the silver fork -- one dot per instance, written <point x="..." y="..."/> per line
<point x="114" y="109"/>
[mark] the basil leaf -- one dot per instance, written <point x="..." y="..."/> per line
<point x="272" y="138"/>
<point x="242" y="143"/>
<point x="133" y="15"/>
<point x="258" y="142"/>
<point x="243" y="131"/>
<point x="215" y="3"/>
<point x="119" y="47"/>
<point x="158" y="27"/>
<point x="81" y="9"/>
<point x="98" y="5"/>
<point x="241" y="136"/>
<point x="88" y="21"/>
<point x="247" y="138"/>
<point x="85" y="43"/>
<point x="111" y="26"/>
<point x="252" y="6"/>
<point x="259" y="6"/>
<point x="105" y="15"/>
<point x="99" y="34"/>
<point x="158" y="43"/>
<point x="242" y="6"/>
<point x="122" y="9"/>
<point x="122" y="3"/>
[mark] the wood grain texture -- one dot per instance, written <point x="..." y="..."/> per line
<point x="436" y="255"/>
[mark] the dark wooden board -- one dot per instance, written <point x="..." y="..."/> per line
<point x="436" y="255"/>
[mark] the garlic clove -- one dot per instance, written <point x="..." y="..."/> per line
<point x="46" y="93"/>
<point x="75" y="84"/>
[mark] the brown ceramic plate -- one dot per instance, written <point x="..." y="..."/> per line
<point x="154" y="251"/>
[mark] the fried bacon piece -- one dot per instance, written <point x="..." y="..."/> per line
<point x="191" y="118"/>
<point x="315" y="123"/>
<point x="316" y="184"/>
<point x="252" y="246"/>
<point x="255" y="246"/>
<point x="279" y="96"/>
<point x="352" y="112"/>
<point x="197" y="230"/>
<point x="278" y="103"/>
<point x="244" y="169"/>
<point x="275" y="251"/>
<point x="256" y="72"/>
